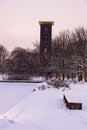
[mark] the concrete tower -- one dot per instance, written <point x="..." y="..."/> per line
<point x="45" y="40"/>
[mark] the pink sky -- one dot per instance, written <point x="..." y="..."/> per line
<point x="19" y="19"/>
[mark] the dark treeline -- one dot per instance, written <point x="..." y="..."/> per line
<point x="68" y="58"/>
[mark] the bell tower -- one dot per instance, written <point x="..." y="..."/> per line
<point x="45" y="40"/>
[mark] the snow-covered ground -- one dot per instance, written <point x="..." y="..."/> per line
<point x="25" y="109"/>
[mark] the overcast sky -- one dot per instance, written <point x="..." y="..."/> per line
<point x="19" y="19"/>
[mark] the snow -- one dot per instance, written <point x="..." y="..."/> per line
<point x="12" y="93"/>
<point x="42" y="109"/>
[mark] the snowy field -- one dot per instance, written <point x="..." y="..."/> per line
<point x="21" y="108"/>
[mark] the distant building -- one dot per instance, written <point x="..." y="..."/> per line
<point x="45" y="40"/>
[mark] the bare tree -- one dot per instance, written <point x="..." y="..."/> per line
<point x="3" y="55"/>
<point x="18" y="64"/>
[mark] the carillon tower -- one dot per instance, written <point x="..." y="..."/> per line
<point x="45" y="40"/>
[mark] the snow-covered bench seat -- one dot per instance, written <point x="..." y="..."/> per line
<point x="71" y="103"/>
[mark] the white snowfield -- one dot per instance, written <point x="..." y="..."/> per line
<point x="21" y="108"/>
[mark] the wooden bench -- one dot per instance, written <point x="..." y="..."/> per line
<point x="72" y="105"/>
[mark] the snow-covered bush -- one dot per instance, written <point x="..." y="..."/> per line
<point x="37" y="78"/>
<point x="53" y="83"/>
<point x="58" y="83"/>
<point x="3" y="77"/>
<point x="42" y="86"/>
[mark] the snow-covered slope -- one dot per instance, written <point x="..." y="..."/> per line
<point x="12" y="93"/>
<point x="46" y="110"/>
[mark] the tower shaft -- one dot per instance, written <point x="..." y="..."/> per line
<point x="45" y="40"/>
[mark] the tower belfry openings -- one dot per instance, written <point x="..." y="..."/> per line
<point x="45" y="40"/>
